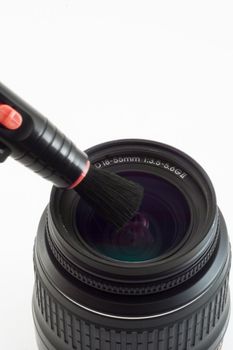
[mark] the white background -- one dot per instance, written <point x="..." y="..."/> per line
<point x="103" y="70"/>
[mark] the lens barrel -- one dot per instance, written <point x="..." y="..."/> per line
<point x="160" y="284"/>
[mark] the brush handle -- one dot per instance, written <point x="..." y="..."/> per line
<point x="38" y="144"/>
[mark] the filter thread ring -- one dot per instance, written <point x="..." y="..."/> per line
<point x="124" y="289"/>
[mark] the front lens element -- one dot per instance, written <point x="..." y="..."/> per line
<point x="159" y="226"/>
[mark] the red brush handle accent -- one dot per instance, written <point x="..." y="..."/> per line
<point x="9" y="117"/>
<point x="81" y="176"/>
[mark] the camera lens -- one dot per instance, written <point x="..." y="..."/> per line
<point x="159" y="283"/>
<point x="159" y="226"/>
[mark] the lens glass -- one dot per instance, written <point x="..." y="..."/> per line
<point x="159" y="226"/>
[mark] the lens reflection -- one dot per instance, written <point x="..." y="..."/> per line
<point x="158" y="226"/>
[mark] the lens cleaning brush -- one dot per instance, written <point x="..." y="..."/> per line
<point x="34" y="141"/>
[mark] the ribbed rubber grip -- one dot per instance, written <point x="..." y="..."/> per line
<point x="72" y="332"/>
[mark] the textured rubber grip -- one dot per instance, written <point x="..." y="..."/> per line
<point x="72" y="332"/>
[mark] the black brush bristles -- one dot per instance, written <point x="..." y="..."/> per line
<point x="115" y="198"/>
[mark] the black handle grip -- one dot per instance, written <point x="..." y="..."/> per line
<point x="39" y="145"/>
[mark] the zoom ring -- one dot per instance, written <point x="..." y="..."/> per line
<point x="72" y="332"/>
<point x="117" y="288"/>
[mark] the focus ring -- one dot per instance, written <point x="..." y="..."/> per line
<point x="72" y="332"/>
<point x="123" y="289"/>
